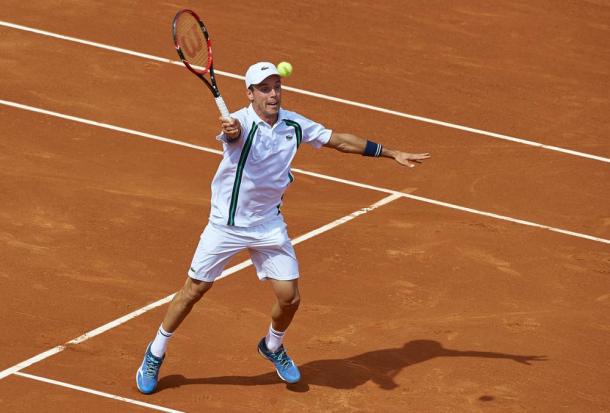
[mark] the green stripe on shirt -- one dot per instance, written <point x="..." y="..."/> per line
<point x="238" y="174"/>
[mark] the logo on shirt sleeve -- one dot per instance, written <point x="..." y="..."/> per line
<point x="288" y="137"/>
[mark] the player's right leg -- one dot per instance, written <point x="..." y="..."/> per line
<point x="215" y="249"/>
<point x="148" y="374"/>
<point x="183" y="302"/>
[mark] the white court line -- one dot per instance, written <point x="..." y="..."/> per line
<point x="321" y="230"/>
<point x="319" y="95"/>
<point x="314" y="174"/>
<point x="108" y="126"/>
<point x="97" y="393"/>
<point x="453" y="206"/>
<point x="121" y="320"/>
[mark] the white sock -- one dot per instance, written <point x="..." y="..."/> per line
<point x="159" y="344"/>
<point x="274" y="339"/>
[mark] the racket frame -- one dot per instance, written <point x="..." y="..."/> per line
<point x="199" y="71"/>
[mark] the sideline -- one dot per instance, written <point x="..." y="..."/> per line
<point x="122" y="320"/>
<point x="97" y="393"/>
<point x="314" y="174"/>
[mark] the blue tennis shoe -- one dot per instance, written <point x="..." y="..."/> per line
<point x="284" y="365"/>
<point x="148" y="373"/>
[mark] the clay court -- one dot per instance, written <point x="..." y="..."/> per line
<point x="478" y="281"/>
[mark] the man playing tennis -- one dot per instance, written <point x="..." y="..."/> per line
<point x="260" y="142"/>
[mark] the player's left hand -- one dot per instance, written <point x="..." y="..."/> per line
<point x="410" y="159"/>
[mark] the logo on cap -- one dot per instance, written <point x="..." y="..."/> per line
<point x="264" y="67"/>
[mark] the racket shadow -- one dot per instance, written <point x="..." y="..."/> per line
<point x="378" y="366"/>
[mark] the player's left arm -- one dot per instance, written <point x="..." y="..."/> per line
<point x="348" y="143"/>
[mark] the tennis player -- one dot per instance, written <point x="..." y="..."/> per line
<point x="260" y="142"/>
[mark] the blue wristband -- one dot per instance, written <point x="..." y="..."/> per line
<point x="372" y="149"/>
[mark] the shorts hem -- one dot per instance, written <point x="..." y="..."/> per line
<point x="195" y="276"/>
<point x="264" y="277"/>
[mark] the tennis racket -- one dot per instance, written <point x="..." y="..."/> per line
<point x="194" y="47"/>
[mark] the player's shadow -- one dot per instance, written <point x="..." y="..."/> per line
<point x="379" y="366"/>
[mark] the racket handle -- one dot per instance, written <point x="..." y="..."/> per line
<point x="222" y="107"/>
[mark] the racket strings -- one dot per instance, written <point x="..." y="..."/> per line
<point x="192" y="42"/>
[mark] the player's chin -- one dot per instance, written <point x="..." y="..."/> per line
<point x="273" y="108"/>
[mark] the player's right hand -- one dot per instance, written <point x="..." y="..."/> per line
<point x="230" y="127"/>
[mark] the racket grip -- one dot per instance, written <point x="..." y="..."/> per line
<point x="222" y="107"/>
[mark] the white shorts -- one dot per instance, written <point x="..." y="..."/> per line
<point x="270" y="250"/>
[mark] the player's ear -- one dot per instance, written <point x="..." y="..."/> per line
<point x="250" y="94"/>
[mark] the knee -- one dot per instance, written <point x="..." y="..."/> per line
<point x="290" y="303"/>
<point x="194" y="289"/>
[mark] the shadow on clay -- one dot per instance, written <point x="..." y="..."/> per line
<point x="379" y="366"/>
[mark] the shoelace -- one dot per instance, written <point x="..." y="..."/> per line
<point x="283" y="359"/>
<point x="152" y="366"/>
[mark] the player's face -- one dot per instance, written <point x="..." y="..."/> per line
<point x="266" y="98"/>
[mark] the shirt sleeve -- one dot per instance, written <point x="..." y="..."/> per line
<point x="314" y="133"/>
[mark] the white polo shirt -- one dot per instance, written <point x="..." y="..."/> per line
<point x="249" y="184"/>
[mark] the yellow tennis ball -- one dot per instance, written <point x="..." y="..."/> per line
<point x="285" y="69"/>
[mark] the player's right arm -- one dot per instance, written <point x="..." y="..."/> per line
<point x="230" y="127"/>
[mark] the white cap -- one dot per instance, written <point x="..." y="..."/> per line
<point x="259" y="72"/>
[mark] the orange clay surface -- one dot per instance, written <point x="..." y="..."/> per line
<point x="411" y="307"/>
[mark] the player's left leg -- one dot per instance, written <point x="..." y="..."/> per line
<point x="271" y="347"/>
<point x="275" y="260"/>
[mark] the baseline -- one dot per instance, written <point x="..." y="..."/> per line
<point x="320" y="95"/>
